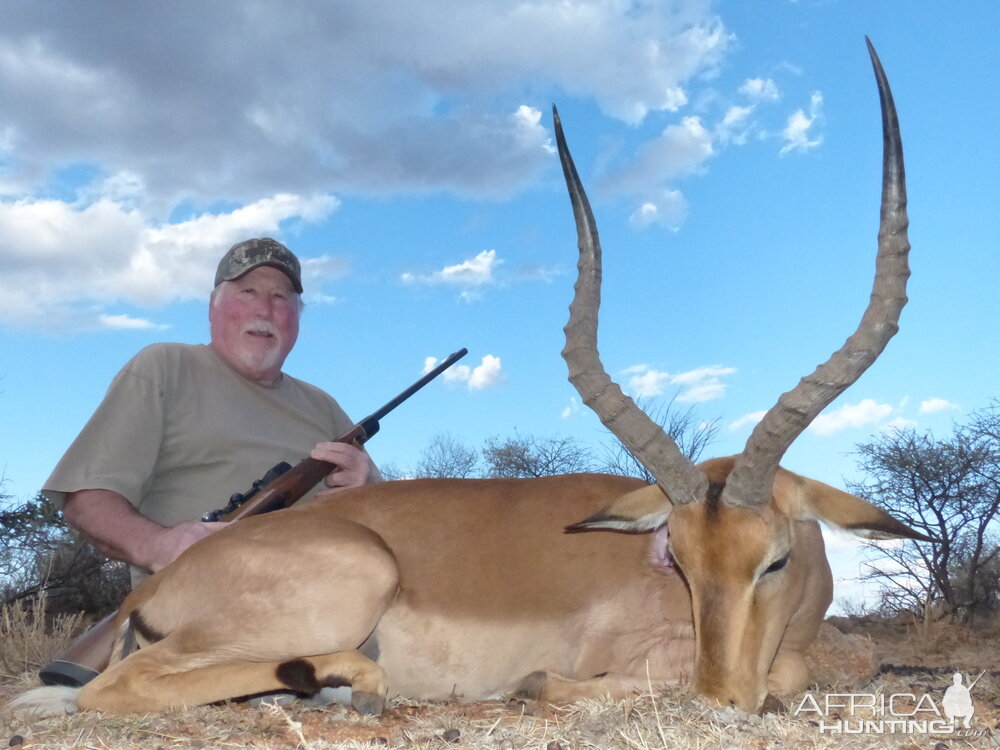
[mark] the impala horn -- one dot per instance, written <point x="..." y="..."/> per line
<point x="751" y="478"/>
<point x="673" y="471"/>
<point x="750" y="482"/>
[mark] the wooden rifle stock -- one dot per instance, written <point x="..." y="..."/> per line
<point x="85" y="658"/>
<point x="281" y="487"/>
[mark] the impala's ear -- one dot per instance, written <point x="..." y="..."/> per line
<point x="644" y="509"/>
<point x="806" y="499"/>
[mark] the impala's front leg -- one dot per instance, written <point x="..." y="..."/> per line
<point x="146" y="681"/>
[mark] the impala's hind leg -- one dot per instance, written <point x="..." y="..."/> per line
<point x="204" y="642"/>
<point x="153" y="679"/>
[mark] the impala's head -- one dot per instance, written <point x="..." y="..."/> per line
<point x="752" y="571"/>
<point x="742" y="530"/>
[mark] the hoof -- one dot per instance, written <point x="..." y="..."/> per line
<point x="368" y="704"/>
<point x="773" y="705"/>
<point x="532" y="686"/>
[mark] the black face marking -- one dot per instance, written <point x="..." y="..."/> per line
<point x="146" y="631"/>
<point x="713" y="497"/>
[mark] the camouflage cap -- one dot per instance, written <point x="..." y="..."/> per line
<point x="245" y="256"/>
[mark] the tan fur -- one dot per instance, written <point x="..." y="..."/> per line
<point x="467" y="587"/>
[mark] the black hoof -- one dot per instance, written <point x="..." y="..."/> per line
<point x="531" y="687"/>
<point x="368" y="704"/>
<point x="773" y="705"/>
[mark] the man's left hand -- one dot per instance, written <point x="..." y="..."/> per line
<point x="353" y="467"/>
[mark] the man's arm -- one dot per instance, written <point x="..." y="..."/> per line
<point x="110" y="522"/>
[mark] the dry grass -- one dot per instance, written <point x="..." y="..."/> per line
<point x="643" y="722"/>
<point x="27" y="641"/>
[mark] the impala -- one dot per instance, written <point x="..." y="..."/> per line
<point x="562" y="587"/>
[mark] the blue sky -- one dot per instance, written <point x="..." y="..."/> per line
<point x="404" y="151"/>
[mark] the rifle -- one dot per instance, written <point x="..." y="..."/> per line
<point x="282" y="486"/>
<point x="976" y="680"/>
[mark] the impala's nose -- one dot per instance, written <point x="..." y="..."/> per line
<point x="738" y="693"/>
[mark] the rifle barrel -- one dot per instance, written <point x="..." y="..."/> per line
<point x="451" y="359"/>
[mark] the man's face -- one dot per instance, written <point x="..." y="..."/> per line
<point x="254" y="322"/>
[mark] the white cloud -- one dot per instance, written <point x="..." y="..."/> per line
<point x="474" y="272"/>
<point x="485" y="375"/>
<point x="469" y="274"/>
<point x="572" y="408"/>
<point x="934" y="405"/>
<point x="668" y="209"/>
<point x="683" y="147"/>
<point x="796" y="134"/>
<point x="127" y="322"/>
<point x="647" y="382"/>
<point x="738" y="123"/>
<point x="529" y="129"/>
<point x="736" y="116"/>
<point x="125" y="188"/>
<point x="680" y="149"/>
<point x="735" y="125"/>
<point x="898" y="424"/>
<point x="747" y="419"/>
<point x="686" y="147"/>
<point x="324" y="268"/>
<point x="471" y="277"/>
<point x="417" y="97"/>
<point x="700" y="384"/>
<point x="62" y="260"/>
<point x="865" y="412"/>
<point x="421" y="98"/>
<point x="177" y="261"/>
<point x="760" y="90"/>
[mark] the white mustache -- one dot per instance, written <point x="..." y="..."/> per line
<point x="261" y="326"/>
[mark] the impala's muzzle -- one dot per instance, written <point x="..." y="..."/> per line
<point x="729" y="665"/>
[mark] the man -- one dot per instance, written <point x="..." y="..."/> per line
<point x="183" y="427"/>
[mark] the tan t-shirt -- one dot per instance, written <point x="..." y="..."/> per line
<point x="179" y="431"/>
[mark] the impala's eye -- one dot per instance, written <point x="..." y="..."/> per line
<point x="776" y="565"/>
